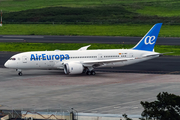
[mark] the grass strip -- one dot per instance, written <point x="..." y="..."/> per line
<point x="145" y="7"/>
<point x="19" y="5"/>
<point x="23" y="47"/>
<point x="87" y="30"/>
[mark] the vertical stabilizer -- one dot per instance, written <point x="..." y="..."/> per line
<point x="148" y="41"/>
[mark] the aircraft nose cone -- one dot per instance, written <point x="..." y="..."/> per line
<point x="6" y="64"/>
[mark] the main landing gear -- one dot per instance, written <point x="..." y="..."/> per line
<point x="19" y="72"/>
<point x="90" y="72"/>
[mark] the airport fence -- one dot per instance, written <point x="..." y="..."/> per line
<point x="32" y="114"/>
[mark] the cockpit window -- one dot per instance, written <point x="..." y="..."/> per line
<point x="12" y="59"/>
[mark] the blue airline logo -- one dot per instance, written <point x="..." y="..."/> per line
<point x="37" y="57"/>
<point x="149" y="40"/>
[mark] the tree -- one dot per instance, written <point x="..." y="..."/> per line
<point x="126" y="117"/>
<point x="166" y="107"/>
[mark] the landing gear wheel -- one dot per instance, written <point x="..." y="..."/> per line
<point x="93" y="72"/>
<point x="88" y="72"/>
<point x="20" y="73"/>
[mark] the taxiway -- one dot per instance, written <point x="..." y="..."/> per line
<point x="84" y="39"/>
<point x="112" y="93"/>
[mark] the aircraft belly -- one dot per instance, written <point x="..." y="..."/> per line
<point x="129" y="62"/>
<point x="138" y="60"/>
<point x="114" y="64"/>
<point x="37" y="65"/>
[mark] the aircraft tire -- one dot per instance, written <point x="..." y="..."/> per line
<point x="20" y="73"/>
<point x="88" y="72"/>
<point x="93" y="72"/>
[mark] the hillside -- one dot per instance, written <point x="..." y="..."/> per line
<point x="91" y="12"/>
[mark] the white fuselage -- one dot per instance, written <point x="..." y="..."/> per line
<point x="56" y="59"/>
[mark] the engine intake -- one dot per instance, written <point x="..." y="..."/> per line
<point x="73" y="68"/>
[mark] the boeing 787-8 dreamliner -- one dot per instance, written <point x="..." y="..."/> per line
<point x="85" y="61"/>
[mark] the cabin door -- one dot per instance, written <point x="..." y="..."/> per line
<point x="24" y="59"/>
<point x="100" y="56"/>
<point x="131" y="55"/>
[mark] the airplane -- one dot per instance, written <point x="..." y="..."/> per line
<point x="85" y="61"/>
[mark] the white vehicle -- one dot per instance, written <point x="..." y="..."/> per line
<point x="83" y="60"/>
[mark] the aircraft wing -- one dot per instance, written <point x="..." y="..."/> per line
<point x="103" y="62"/>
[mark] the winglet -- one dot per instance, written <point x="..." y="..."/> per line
<point x="148" y="41"/>
<point x="84" y="48"/>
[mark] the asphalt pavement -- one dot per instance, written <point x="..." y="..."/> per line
<point x="161" y="65"/>
<point x="106" y="93"/>
<point x="84" y="39"/>
<point x="111" y="90"/>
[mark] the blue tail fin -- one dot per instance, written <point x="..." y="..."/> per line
<point x="148" y="41"/>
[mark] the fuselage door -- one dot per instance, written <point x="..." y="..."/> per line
<point x="131" y="55"/>
<point x="100" y="56"/>
<point x="24" y="59"/>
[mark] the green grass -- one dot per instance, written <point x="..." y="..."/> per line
<point x="84" y="30"/>
<point x="115" y="18"/>
<point x="161" y="8"/>
<point x="19" y="5"/>
<point x="69" y="15"/>
<point x="159" y="11"/>
<point x="23" y="47"/>
<point x="87" y="30"/>
<point x="95" y="11"/>
<point x="154" y="7"/>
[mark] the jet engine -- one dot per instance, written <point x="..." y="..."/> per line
<point x="73" y="68"/>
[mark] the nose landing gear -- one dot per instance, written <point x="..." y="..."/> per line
<point x="20" y="72"/>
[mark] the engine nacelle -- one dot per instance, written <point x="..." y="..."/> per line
<point x="73" y="68"/>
